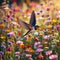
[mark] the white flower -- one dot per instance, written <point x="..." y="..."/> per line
<point x="36" y="33"/>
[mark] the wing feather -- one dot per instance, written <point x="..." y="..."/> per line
<point x="33" y="19"/>
<point x="24" y="25"/>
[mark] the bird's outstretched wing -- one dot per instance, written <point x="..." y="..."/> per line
<point x="24" y="25"/>
<point x="33" y="19"/>
<point x="29" y="26"/>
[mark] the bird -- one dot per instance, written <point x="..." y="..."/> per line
<point x="31" y="25"/>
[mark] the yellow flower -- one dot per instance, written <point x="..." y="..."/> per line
<point x="54" y="21"/>
<point x="2" y="37"/>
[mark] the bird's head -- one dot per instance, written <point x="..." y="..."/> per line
<point x="36" y="27"/>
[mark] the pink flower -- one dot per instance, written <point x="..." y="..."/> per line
<point x="14" y="23"/>
<point x="36" y="44"/>
<point x="40" y="46"/>
<point x="54" y="56"/>
<point x="17" y="53"/>
<point x="48" y="9"/>
<point x="47" y="37"/>
<point x="19" y="42"/>
<point x="28" y="55"/>
<point x="39" y="43"/>
<point x="48" y="52"/>
<point x="39" y="50"/>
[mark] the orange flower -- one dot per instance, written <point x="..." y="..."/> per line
<point x="31" y="51"/>
<point x="41" y="34"/>
<point x="7" y="31"/>
<point x="49" y="26"/>
<point x="2" y="25"/>
<point x="21" y="45"/>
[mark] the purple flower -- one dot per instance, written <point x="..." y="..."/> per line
<point x="48" y="52"/>
<point x="53" y="57"/>
<point x="1" y="53"/>
<point x="10" y="34"/>
<point x="9" y="43"/>
<point x="3" y="46"/>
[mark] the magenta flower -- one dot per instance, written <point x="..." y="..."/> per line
<point x="8" y="16"/>
<point x="58" y="27"/>
<point x="49" y="52"/>
<point x="48" y="9"/>
<point x="39" y="50"/>
<point x="9" y="49"/>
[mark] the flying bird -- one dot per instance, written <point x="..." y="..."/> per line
<point x="31" y="25"/>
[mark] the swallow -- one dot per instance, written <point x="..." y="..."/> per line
<point x="31" y="25"/>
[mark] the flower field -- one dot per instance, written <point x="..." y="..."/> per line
<point x="42" y="43"/>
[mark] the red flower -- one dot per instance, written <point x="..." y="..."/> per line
<point x="20" y="33"/>
<point x="27" y="11"/>
<point x="36" y="39"/>
<point x="29" y="45"/>
<point x="23" y="47"/>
